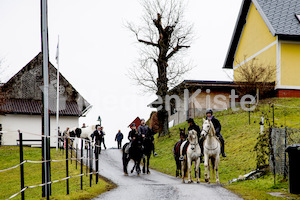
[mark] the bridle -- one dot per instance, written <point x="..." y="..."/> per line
<point x="194" y="143"/>
<point x="207" y="132"/>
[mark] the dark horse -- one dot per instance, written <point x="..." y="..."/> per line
<point x="176" y="151"/>
<point x="135" y="153"/>
<point x="148" y="149"/>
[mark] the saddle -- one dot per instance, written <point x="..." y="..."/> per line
<point x="185" y="147"/>
<point x="177" y="147"/>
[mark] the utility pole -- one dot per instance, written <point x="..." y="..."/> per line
<point x="45" y="110"/>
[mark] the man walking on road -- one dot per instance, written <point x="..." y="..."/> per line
<point x="119" y="138"/>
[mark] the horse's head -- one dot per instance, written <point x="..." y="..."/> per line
<point x="207" y="128"/>
<point x="182" y="133"/>
<point x="193" y="139"/>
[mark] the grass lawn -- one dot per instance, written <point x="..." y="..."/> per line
<point x="240" y="139"/>
<point x="10" y="180"/>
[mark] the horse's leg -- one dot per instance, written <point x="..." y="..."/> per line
<point x="148" y="162"/>
<point x="217" y="161"/>
<point x="197" y="169"/>
<point x="144" y="163"/>
<point x="189" y="162"/>
<point x="133" y="168"/>
<point x="138" y="168"/>
<point x="183" y="169"/>
<point x="125" y="163"/>
<point x="206" y="166"/>
<point x="177" y="166"/>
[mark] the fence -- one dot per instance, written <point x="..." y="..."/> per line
<point x="64" y="142"/>
<point x="280" y="138"/>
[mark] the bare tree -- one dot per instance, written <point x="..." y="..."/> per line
<point x="163" y="35"/>
<point x="254" y="76"/>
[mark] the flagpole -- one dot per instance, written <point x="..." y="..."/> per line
<point x="57" y="94"/>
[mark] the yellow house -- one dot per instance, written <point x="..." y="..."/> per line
<point x="269" y="32"/>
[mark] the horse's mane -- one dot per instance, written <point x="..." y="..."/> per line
<point x="212" y="128"/>
<point x="189" y="135"/>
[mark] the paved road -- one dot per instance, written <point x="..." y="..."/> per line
<point x="154" y="186"/>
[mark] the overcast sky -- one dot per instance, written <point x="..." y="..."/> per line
<point x="96" y="50"/>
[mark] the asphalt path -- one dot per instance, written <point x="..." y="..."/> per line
<point x="154" y="186"/>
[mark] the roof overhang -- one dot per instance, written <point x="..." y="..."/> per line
<point x="241" y="20"/>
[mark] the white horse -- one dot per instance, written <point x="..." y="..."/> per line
<point x="193" y="153"/>
<point x="84" y="133"/>
<point x="212" y="150"/>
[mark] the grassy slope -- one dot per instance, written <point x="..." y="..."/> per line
<point x="240" y="138"/>
<point x="10" y="180"/>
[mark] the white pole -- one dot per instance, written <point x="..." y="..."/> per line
<point x="57" y="94"/>
<point x="44" y="23"/>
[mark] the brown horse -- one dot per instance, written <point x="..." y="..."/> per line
<point x="176" y="152"/>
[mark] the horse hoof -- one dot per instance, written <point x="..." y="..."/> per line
<point x="126" y="174"/>
<point x="131" y="171"/>
<point x="190" y="181"/>
<point x="206" y="180"/>
<point x="148" y="172"/>
<point x="198" y="181"/>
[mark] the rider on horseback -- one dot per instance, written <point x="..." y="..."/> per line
<point x="193" y="126"/>
<point x="132" y="135"/>
<point x="145" y="131"/>
<point x="217" y="126"/>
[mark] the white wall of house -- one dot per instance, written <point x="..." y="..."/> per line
<point x="30" y="126"/>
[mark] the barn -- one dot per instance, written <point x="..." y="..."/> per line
<point x="21" y="104"/>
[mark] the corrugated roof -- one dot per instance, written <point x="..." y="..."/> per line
<point x="25" y="106"/>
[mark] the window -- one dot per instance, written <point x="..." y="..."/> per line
<point x="173" y="106"/>
<point x="298" y="17"/>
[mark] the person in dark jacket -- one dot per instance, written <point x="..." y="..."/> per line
<point x="145" y="131"/>
<point x="132" y="135"/>
<point x="217" y="126"/>
<point x="103" y="134"/>
<point x="119" y="138"/>
<point x="98" y="135"/>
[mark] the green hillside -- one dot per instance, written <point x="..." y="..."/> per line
<point x="240" y="140"/>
